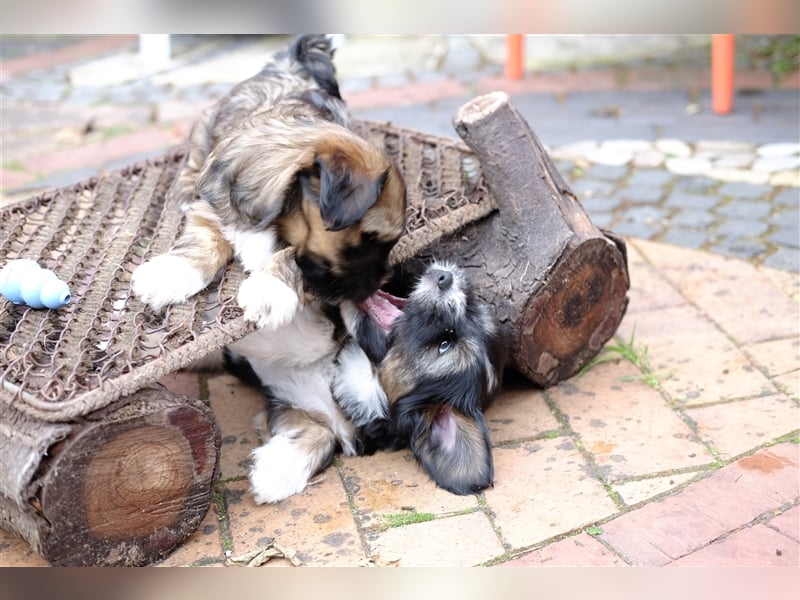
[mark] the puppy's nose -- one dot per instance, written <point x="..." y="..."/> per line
<point x="444" y="279"/>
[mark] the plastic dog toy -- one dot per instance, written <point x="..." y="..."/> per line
<point x="23" y="281"/>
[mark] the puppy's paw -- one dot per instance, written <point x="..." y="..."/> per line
<point x="280" y="469"/>
<point x="166" y="279"/>
<point x="267" y="301"/>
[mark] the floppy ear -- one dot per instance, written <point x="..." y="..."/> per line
<point x="345" y="194"/>
<point x="452" y="447"/>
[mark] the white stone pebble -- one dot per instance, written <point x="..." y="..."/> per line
<point x="610" y="156"/>
<point x="574" y="150"/>
<point x="648" y="159"/>
<point x="673" y="148"/>
<point x="689" y="166"/>
<point x="778" y="150"/>
<point x="734" y="161"/>
<point x="738" y="175"/>
<point x="777" y="163"/>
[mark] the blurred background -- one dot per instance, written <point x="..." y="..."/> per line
<point x="627" y="118"/>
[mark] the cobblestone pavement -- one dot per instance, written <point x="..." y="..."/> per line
<point x="689" y="457"/>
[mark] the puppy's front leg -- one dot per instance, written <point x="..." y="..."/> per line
<point x="198" y="254"/>
<point x="270" y="295"/>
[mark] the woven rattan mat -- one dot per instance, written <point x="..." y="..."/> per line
<point x="58" y="365"/>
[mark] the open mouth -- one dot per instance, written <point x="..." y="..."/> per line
<point x="383" y="308"/>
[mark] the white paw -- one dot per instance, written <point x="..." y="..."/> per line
<point x="166" y="279"/>
<point x="280" y="469"/>
<point x="267" y="301"/>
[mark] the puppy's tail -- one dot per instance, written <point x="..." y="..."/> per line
<point x="314" y="53"/>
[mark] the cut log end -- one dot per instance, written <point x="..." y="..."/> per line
<point x="131" y="486"/>
<point x="566" y="325"/>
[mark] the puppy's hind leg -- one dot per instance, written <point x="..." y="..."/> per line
<point x="299" y="448"/>
<point x="198" y="254"/>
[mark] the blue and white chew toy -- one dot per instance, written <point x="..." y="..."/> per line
<point x="23" y="281"/>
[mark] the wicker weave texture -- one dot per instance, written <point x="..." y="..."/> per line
<point x="58" y="365"/>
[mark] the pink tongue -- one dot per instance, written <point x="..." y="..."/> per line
<point x="383" y="308"/>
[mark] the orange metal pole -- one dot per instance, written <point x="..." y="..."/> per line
<point x="722" y="70"/>
<point x="514" y="42"/>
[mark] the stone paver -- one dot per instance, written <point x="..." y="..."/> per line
<point x="733" y="428"/>
<point x="755" y="546"/>
<point x="661" y="532"/>
<point x="629" y="429"/>
<point x="636" y="491"/>
<point x="16" y="552"/>
<point x="705" y="283"/>
<point x="458" y="541"/>
<point x="520" y="412"/>
<point x="393" y="484"/>
<point x="788" y="523"/>
<point x="202" y="548"/>
<point x="578" y="551"/>
<point x="694" y="362"/>
<point x="317" y="524"/>
<point x="559" y="494"/>
<point x="236" y="407"/>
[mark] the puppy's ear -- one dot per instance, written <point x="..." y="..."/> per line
<point x="346" y="192"/>
<point x="452" y="447"/>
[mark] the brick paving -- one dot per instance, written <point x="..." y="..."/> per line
<point x="691" y="460"/>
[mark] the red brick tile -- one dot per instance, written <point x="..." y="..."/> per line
<point x="738" y="427"/>
<point x="83" y="49"/>
<point x="519" y="412"/>
<point x="203" y="547"/>
<point x="235" y="406"/>
<point x="776" y="357"/>
<point x="317" y="524"/>
<point x="543" y="490"/>
<point x="458" y="541"/>
<point x="634" y="492"/>
<point x="578" y="551"/>
<point x="393" y="482"/>
<point x="627" y="426"/>
<point x="13" y="179"/>
<point x="16" y="552"/>
<point x="788" y="523"/>
<point x="649" y="289"/>
<point x="755" y="546"/>
<point x="773" y="472"/>
<point x="415" y="93"/>
<point x="552" y="83"/>
<point x="702" y="512"/>
<point x="716" y="285"/>
<point x="787" y="281"/>
<point x="695" y="362"/>
<point x="99" y="153"/>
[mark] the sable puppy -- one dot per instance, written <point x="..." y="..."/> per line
<point x="273" y="164"/>
<point x="442" y="365"/>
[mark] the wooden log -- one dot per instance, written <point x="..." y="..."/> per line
<point x="557" y="282"/>
<point x="124" y="486"/>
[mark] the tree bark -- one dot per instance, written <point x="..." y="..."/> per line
<point x="123" y="487"/>
<point x="558" y="283"/>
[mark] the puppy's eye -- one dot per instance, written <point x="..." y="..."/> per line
<point x="446" y="342"/>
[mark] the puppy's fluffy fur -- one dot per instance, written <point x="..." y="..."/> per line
<point x="440" y="362"/>
<point x="273" y="164"/>
<point x="442" y="366"/>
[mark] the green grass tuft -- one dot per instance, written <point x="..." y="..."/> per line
<point x="633" y="353"/>
<point x="405" y="518"/>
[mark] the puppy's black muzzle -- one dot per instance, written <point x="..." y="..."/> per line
<point x="444" y="279"/>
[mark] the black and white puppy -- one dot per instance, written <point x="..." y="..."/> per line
<point x="442" y="365"/>
<point x="389" y="373"/>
